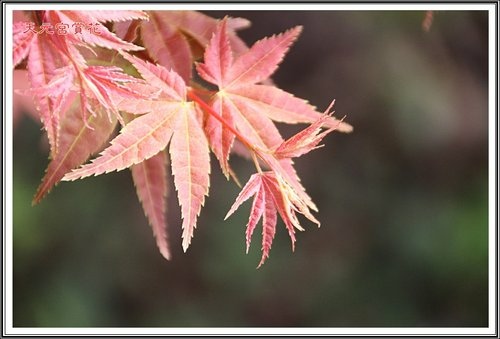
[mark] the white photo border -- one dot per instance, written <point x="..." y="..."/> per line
<point x="7" y="159"/>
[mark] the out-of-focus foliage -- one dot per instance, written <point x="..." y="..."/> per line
<point x="403" y="200"/>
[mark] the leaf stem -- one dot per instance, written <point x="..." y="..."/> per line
<point x="256" y="161"/>
<point x="254" y="151"/>
<point x="191" y="95"/>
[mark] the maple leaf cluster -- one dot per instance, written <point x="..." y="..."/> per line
<point x="134" y="71"/>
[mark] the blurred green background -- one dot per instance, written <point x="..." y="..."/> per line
<point x="403" y="200"/>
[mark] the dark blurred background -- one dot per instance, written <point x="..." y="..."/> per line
<point x="403" y="200"/>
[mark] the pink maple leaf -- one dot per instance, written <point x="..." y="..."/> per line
<point x="166" y="44"/>
<point x="50" y="55"/>
<point x="306" y="140"/>
<point x="77" y="143"/>
<point x="272" y="196"/>
<point x="150" y="180"/>
<point x="246" y="105"/>
<point x="85" y="72"/>
<point x="171" y="119"/>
